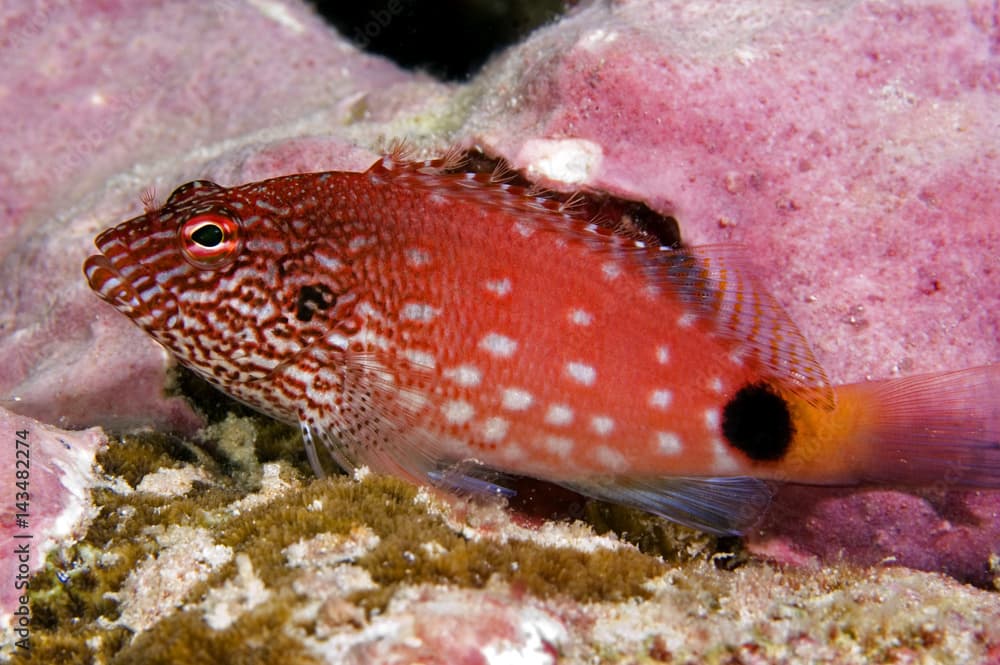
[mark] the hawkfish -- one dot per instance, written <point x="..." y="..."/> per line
<point x="456" y="329"/>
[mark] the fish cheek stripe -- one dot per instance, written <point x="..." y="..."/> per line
<point x="757" y="422"/>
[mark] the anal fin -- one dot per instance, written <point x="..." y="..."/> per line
<point x="469" y="477"/>
<point x="722" y="506"/>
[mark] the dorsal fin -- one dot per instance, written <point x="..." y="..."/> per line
<point x="447" y="175"/>
<point x="716" y="282"/>
<point x="719" y="285"/>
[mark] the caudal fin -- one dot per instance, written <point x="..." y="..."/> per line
<point x="936" y="429"/>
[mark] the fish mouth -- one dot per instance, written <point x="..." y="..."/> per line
<point x="126" y="284"/>
<point x="109" y="284"/>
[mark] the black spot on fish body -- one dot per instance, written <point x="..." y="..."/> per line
<point x="313" y="298"/>
<point x="757" y="422"/>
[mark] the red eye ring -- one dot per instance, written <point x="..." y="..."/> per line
<point x="211" y="240"/>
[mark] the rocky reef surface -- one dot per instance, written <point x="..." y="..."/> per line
<point x="852" y="147"/>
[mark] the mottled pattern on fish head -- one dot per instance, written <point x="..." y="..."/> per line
<point x="233" y="281"/>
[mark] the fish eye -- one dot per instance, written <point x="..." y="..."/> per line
<point x="211" y="240"/>
<point x="757" y="422"/>
<point x="208" y="235"/>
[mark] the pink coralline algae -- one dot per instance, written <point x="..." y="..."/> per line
<point x="442" y="626"/>
<point x="45" y="496"/>
<point x="118" y="108"/>
<point x="851" y="148"/>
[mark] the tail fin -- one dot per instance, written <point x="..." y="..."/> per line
<point x="939" y="428"/>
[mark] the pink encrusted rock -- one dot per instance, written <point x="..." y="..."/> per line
<point x="57" y="468"/>
<point x="441" y="626"/>
<point x="950" y="532"/>
<point x="107" y="101"/>
<point x="851" y="147"/>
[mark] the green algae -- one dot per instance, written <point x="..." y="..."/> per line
<point x="662" y="538"/>
<point x="259" y="637"/>
<point x="388" y="506"/>
<point x="75" y="599"/>
<point x="237" y="436"/>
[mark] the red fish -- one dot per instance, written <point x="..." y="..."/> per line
<point x="441" y="325"/>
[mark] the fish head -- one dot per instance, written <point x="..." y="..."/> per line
<point x="212" y="275"/>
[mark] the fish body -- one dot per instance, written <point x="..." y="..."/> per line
<point x="443" y="325"/>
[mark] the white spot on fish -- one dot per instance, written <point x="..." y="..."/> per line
<point x="338" y="340"/>
<point x="712" y="419"/>
<point x="581" y="317"/>
<point x="422" y="359"/>
<point x="495" y="429"/>
<point x="417" y="257"/>
<point x="501" y="287"/>
<point x="662" y="354"/>
<point x="512" y="452"/>
<point x="171" y="275"/>
<point x="602" y="425"/>
<point x="660" y="398"/>
<point x="498" y="345"/>
<point x="581" y="373"/>
<point x="146" y="295"/>
<point x="458" y="412"/>
<point x="266" y="205"/>
<point x="516" y="399"/>
<point x="419" y="312"/>
<point x="716" y="385"/>
<point x="559" y="445"/>
<point x="610" y="459"/>
<point x="559" y="415"/>
<point x="467" y="376"/>
<point x="368" y="339"/>
<point x="611" y="271"/>
<point x="360" y="242"/>
<point x="367" y="310"/>
<point x="331" y="263"/>
<point x="668" y="443"/>
<point x="686" y="320"/>
<point x="523" y="229"/>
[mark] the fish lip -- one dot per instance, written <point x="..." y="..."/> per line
<point x="106" y="277"/>
<point x="107" y="282"/>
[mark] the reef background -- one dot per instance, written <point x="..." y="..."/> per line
<point x="851" y="146"/>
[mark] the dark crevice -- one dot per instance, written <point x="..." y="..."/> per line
<point x="450" y="39"/>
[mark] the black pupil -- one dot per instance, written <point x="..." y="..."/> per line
<point x="209" y="235"/>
